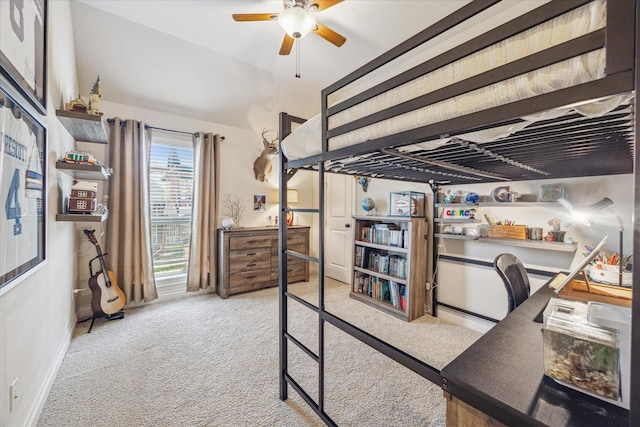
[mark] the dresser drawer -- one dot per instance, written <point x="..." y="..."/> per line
<point x="249" y="242"/>
<point x="296" y="238"/>
<point x="296" y="271"/>
<point x="249" y="277"/>
<point x="249" y="259"/>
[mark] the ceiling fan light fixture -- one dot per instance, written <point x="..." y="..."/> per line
<point x="297" y="21"/>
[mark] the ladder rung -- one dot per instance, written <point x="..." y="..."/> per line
<point x="310" y="210"/>
<point x="301" y="255"/>
<point x="303" y="347"/>
<point x="301" y="301"/>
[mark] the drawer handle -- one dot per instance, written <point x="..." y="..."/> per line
<point x="251" y="265"/>
<point x="251" y="241"/>
<point x="250" y="277"/>
<point x="251" y="254"/>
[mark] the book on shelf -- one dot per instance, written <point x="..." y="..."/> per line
<point x="385" y="234"/>
<point x="393" y="265"/>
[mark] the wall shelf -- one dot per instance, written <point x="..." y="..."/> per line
<point x="83" y="171"/>
<point x="69" y="217"/>
<point x="535" y="244"/>
<point x="456" y="236"/>
<point x="501" y="205"/>
<point x="461" y="220"/>
<point x="83" y="127"/>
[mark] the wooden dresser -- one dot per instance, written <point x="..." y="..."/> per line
<point x="248" y="258"/>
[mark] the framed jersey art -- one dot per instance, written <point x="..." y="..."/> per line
<point x="22" y="187"/>
<point x="23" y="43"/>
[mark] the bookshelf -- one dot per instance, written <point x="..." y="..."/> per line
<point x="390" y="264"/>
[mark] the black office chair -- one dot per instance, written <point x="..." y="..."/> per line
<point x="515" y="279"/>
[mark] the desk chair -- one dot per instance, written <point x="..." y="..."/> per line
<point x="515" y="279"/>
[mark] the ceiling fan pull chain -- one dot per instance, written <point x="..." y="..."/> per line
<point x="298" y="41"/>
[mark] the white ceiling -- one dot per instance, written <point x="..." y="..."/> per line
<point x="191" y="58"/>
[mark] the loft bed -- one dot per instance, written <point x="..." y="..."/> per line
<point x="548" y="94"/>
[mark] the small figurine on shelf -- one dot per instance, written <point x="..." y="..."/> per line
<point x="449" y="197"/>
<point x="556" y="235"/>
<point x="94" y="98"/>
<point x="77" y="105"/>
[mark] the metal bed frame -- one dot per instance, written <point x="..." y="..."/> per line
<point x="616" y="146"/>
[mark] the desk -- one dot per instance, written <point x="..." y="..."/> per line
<point x="501" y="377"/>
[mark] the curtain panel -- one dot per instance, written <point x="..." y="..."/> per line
<point x="201" y="272"/>
<point x="129" y="222"/>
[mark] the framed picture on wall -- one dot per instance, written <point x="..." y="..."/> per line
<point x="23" y="44"/>
<point x="22" y="186"/>
<point x="259" y="202"/>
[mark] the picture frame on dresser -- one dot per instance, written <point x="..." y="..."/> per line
<point x="23" y="172"/>
<point x="23" y="48"/>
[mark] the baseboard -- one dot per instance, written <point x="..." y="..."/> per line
<point x="465" y="320"/>
<point x="51" y="376"/>
<point x="313" y="268"/>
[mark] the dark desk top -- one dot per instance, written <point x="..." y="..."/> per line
<point x="502" y="374"/>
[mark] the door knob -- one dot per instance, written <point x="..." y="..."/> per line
<point x="347" y="225"/>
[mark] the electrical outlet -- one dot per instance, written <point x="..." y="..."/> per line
<point x="13" y="395"/>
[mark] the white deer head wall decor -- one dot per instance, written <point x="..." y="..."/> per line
<point x="262" y="166"/>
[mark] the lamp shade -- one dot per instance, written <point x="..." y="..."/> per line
<point x="292" y="196"/>
<point x="584" y="214"/>
<point x="297" y="22"/>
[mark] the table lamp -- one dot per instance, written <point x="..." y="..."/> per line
<point x="292" y="199"/>
<point x="585" y="213"/>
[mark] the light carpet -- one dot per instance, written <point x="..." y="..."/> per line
<point x="203" y="361"/>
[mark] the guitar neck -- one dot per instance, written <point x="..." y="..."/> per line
<point x="103" y="266"/>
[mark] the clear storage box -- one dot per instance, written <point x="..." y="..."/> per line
<point x="406" y="203"/>
<point x="580" y="354"/>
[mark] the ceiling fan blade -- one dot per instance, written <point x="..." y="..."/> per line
<point x="287" y="44"/>
<point x="329" y="35"/>
<point x="241" y="17"/>
<point x="323" y="4"/>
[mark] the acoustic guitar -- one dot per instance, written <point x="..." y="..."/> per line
<point x="107" y="297"/>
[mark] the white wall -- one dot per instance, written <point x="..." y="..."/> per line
<point x="37" y="313"/>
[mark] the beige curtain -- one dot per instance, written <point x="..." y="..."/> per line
<point x="129" y="222"/>
<point x="201" y="271"/>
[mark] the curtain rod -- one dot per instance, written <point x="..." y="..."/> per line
<point x="169" y="130"/>
<point x="163" y="129"/>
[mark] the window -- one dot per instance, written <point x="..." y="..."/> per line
<point x="171" y="187"/>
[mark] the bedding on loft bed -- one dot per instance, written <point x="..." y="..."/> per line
<point x="485" y="153"/>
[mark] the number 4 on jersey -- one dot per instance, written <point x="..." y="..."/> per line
<point x="12" y="204"/>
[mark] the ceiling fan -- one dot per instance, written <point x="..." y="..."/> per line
<point x="297" y="20"/>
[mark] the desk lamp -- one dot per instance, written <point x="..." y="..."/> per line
<point x="583" y="214"/>
<point x="292" y="199"/>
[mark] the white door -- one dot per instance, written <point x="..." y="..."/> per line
<point x="338" y="232"/>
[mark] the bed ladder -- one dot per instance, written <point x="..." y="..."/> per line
<point x="285" y="297"/>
